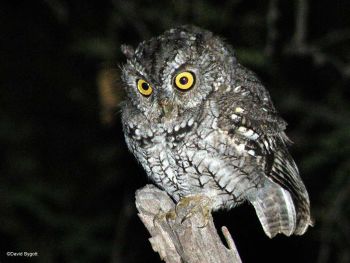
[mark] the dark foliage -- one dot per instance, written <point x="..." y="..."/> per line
<point x="67" y="182"/>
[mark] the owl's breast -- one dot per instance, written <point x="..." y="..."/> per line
<point x="156" y="148"/>
<point x="160" y="159"/>
<point x="191" y="158"/>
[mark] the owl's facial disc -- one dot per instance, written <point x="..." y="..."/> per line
<point x="170" y="77"/>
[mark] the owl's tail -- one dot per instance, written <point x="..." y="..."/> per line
<point x="275" y="209"/>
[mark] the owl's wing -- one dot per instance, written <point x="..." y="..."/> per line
<point x="282" y="204"/>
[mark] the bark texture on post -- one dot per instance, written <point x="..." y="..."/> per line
<point x="191" y="241"/>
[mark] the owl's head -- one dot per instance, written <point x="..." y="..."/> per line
<point x="175" y="73"/>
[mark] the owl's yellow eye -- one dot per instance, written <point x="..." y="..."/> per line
<point x="184" y="80"/>
<point x="144" y="87"/>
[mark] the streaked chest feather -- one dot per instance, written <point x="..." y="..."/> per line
<point x="190" y="161"/>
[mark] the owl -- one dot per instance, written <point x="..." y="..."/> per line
<point x="200" y="123"/>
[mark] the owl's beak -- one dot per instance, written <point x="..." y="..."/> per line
<point x="167" y="107"/>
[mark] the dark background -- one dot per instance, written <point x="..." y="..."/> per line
<point x="67" y="181"/>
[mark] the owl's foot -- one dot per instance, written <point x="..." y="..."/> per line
<point x="187" y="207"/>
<point x="191" y="205"/>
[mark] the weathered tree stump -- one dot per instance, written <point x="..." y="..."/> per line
<point x="190" y="241"/>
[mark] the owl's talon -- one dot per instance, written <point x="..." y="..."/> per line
<point x="186" y="217"/>
<point x="206" y="216"/>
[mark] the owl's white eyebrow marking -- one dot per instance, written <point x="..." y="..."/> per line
<point x="172" y="65"/>
<point x="139" y="69"/>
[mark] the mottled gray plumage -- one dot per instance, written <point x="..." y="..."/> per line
<point x="222" y="137"/>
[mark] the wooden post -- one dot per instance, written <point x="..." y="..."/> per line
<point x="190" y="241"/>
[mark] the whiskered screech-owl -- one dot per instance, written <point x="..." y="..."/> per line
<point x="201" y="123"/>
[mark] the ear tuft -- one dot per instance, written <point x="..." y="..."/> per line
<point x="127" y="50"/>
